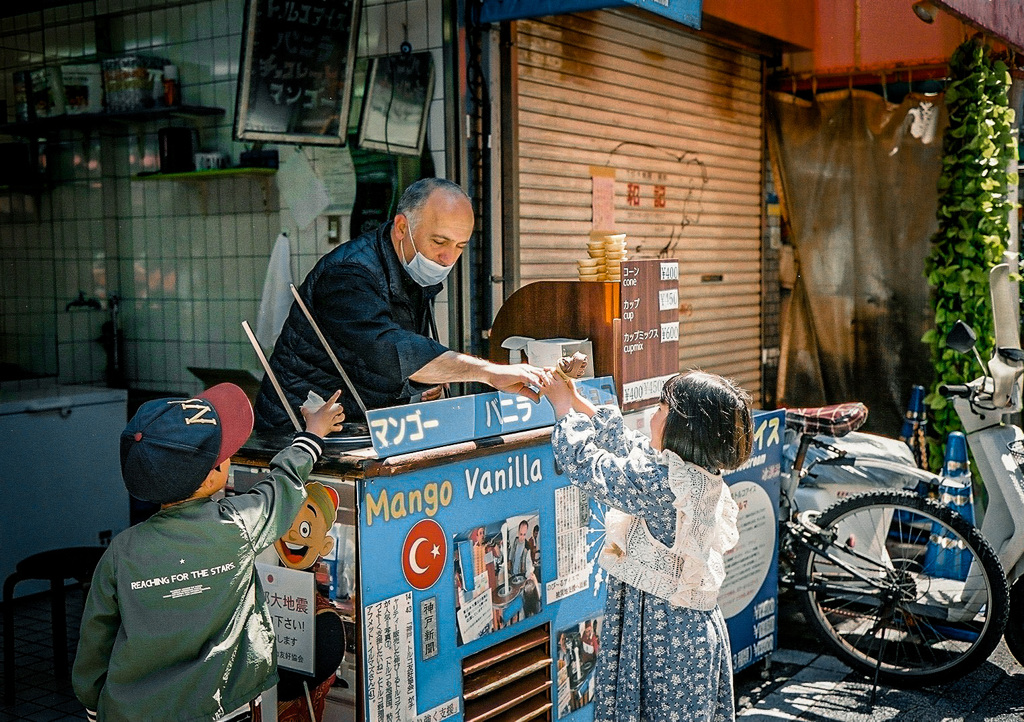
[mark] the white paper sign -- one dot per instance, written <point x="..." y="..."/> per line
<point x="390" y="672"/>
<point x="442" y="711"/>
<point x="300" y="188"/>
<point x="474" y="616"/>
<point x="289" y="594"/>
<point x="572" y="519"/>
<point x="335" y="168"/>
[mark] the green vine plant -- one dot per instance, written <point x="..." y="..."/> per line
<point x="973" y="216"/>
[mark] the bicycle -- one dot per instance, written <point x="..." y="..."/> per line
<point x="899" y="586"/>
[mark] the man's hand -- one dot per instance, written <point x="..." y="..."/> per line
<point x="515" y="379"/>
<point x="434" y="392"/>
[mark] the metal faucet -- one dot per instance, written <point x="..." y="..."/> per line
<point x="83" y="302"/>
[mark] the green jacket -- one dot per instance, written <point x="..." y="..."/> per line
<point x="176" y="626"/>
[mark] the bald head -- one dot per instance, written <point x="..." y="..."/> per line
<point x="435" y="217"/>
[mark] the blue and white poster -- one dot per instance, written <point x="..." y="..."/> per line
<point x="751" y="588"/>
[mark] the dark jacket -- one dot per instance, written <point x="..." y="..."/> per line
<point x="377" y="320"/>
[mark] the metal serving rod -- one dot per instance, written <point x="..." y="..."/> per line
<point x="270" y="375"/>
<point x="327" y="348"/>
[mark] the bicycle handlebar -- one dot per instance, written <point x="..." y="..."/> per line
<point x="961" y="390"/>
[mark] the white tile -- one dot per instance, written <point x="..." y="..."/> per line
<point x="158" y="27"/>
<point x="220" y="20"/>
<point x="144" y="30"/>
<point x="189" y="22"/>
<point x="435" y="25"/>
<point x="371" y="36"/>
<point x="204" y="21"/>
<point x="417" y="24"/>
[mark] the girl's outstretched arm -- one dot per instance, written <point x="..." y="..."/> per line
<point x="634" y="481"/>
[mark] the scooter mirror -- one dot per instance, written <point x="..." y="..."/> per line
<point x="961" y="337"/>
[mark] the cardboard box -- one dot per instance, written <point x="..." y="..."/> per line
<point x="83" y="88"/>
<point x="46" y="94"/>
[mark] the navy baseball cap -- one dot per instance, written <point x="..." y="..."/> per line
<point x="170" y="445"/>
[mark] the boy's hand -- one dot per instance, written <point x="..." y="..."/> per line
<point x="559" y="392"/>
<point x="326" y="419"/>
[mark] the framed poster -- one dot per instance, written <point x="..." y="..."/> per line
<point x="398" y="93"/>
<point x="296" y="71"/>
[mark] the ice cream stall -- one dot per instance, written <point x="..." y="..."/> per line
<point x="463" y="562"/>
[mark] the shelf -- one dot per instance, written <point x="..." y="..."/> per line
<point x="202" y="175"/>
<point x="42" y="126"/>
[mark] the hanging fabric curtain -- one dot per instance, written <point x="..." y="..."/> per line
<point x="858" y="178"/>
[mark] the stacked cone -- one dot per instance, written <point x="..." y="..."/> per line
<point x="915" y="427"/>
<point x="946" y="554"/>
<point x="605" y="252"/>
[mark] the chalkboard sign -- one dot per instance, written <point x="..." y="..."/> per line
<point x="398" y="94"/>
<point x="296" y="71"/>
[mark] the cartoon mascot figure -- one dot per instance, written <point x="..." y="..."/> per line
<point x="300" y="697"/>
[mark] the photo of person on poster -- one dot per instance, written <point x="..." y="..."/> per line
<point x="497" y="583"/>
<point x="577" y="657"/>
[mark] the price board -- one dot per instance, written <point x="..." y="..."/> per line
<point x="648" y="332"/>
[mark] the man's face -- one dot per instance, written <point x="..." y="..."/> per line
<point x="522" y="532"/>
<point x="442" y="229"/>
<point x="306" y="540"/>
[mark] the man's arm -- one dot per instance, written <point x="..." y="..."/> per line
<point x="453" y="367"/>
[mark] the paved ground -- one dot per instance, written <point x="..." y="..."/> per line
<point x="801" y="683"/>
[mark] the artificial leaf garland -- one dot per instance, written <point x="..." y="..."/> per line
<point x="973" y="218"/>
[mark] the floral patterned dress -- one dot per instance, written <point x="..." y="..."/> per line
<point x="658" y="662"/>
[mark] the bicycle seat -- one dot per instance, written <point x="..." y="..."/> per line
<point x="836" y="420"/>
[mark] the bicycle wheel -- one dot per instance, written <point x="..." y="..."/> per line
<point x="1014" y="632"/>
<point x="907" y="589"/>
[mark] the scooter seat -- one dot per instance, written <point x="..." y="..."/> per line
<point x="836" y="420"/>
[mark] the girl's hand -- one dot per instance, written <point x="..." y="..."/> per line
<point x="326" y="419"/>
<point x="559" y="392"/>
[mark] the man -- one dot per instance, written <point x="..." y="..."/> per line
<point x="521" y="567"/>
<point x="373" y="299"/>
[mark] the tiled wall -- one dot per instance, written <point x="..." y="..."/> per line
<point x="187" y="259"/>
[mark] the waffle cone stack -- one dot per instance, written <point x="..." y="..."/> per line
<point x="606" y="252"/>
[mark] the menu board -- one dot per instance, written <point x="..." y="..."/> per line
<point x="296" y="71"/>
<point x="648" y="330"/>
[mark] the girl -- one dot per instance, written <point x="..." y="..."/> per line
<point x="664" y="648"/>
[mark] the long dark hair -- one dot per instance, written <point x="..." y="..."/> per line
<point x="709" y="421"/>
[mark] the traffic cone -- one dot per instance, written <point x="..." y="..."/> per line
<point x="947" y="555"/>
<point x="915" y="427"/>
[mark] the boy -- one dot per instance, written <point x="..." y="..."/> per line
<point x="176" y="626"/>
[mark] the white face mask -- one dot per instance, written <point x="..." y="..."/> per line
<point x="424" y="271"/>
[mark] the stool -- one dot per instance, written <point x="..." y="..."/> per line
<point x="55" y="565"/>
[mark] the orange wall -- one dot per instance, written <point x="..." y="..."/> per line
<point x="791" y="21"/>
<point x="890" y="36"/>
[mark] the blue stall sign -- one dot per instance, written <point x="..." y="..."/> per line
<point x="428" y="425"/>
<point x="464" y="555"/>
<point x="748" y="597"/>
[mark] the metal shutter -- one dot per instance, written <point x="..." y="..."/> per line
<point x="664" y="107"/>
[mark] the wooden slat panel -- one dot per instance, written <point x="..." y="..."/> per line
<point x="516" y="693"/>
<point x="509" y="648"/>
<point x="503" y="673"/>
<point x="662" y="106"/>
